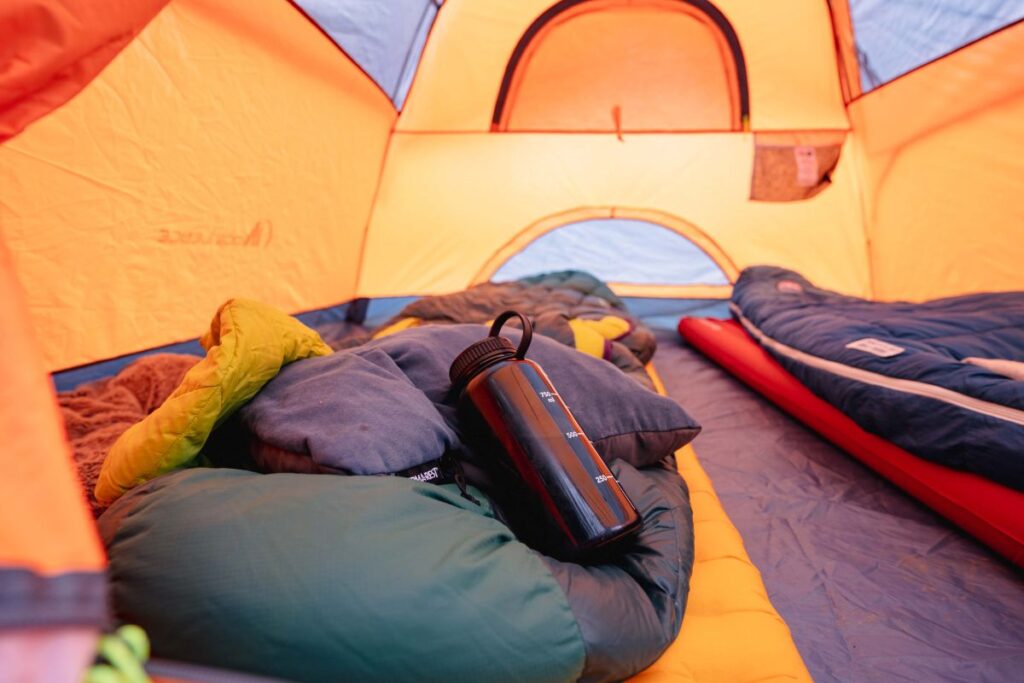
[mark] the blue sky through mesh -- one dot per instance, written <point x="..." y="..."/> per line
<point x="616" y="250"/>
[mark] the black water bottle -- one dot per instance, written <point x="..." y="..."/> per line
<point x="555" y="460"/>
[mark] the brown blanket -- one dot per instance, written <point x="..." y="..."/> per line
<point x="95" y="414"/>
<point x="551" y="301"/>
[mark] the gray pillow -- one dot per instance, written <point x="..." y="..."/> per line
<point x="346" y="413"/>
<point x="621" y="417"/>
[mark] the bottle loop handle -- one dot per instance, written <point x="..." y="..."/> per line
<point x="524" y="342"/>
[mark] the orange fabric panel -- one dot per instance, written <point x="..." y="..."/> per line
<point x="230" y="151"/>
<point x="948" y="215"/>
<point x="942" y="151"/>
<point x="788" y="47"/>
<point x="45" y="525"/>
<point x="976" y="77"/>
<point x="657" y="65"/>
<point x="50" y="49"/>
<point x="470" y="196"/>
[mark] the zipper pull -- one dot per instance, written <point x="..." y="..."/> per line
<point x="454" y="468"/>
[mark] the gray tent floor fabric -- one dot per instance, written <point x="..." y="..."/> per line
<point x="874" y="586"/>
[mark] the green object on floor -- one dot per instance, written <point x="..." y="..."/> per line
<point x="121" y="656"/>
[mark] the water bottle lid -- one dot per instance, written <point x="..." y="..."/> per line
<point x="490" y="350"/>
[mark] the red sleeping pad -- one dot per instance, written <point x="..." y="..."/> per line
<point x="991" y="512"/>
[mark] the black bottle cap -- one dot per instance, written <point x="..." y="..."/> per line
<point x="478" y="356"/>
<point x="490" y="350"/>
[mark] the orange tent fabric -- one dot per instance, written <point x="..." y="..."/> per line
<point x="51" y="564"/>
<point x="52" y="49"/>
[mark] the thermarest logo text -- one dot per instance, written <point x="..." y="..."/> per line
<point x="429" y="475"/>
<point x="259" y="235"/>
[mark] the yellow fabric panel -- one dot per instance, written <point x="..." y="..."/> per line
<point x="44" y="523"/>
<point x="589" y="335"/>
<point x="403" y="324"/>
<point x="471" y="195"/>
<point x="672" y="291"/>
<point x="788" y="46"/>
<point x="943" y="156"/>
<point x="230" y="150"/>
<point x="949" y="215"/>
<point x="246" y="346"/>
<point x="791" y="63"/>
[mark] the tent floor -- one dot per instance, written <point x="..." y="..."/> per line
<point x="874" y="586"/>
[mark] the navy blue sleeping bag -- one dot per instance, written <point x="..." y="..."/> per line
<point x="943" y="379"/>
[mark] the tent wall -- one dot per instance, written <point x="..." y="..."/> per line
<point x="52" y="587"/>
<point x="943" y="161"/>
<point x="454" y="194"/>
<point x="231" y="150"/>
<point x="50" y="49"/>
<point x="787" y="45"/>
<point x="449" y="203"/>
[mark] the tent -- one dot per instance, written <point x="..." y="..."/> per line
<point x="160" y="156"/>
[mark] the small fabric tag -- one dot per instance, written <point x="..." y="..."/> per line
<point x="876" y="347"/>
<point x="789" y="287"/>
<point x="430" y="475"/>
<point x="433" y="472"/>
<point x="806" y="166"/>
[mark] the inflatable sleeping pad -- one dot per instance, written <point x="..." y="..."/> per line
<point x="989" y="511"/>
<point x="943" y="380"/>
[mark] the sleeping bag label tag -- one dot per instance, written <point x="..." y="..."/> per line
<point x="789" y="287"/>
<point x="876" y="347"/>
